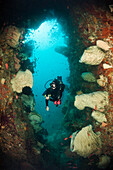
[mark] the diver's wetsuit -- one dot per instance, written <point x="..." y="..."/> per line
<point x="54" y="94"/>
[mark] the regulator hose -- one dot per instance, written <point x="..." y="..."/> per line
<point x="47" y="82"/>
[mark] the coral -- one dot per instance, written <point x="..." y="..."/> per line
<point x="79" y="92"/>
<point x="16" y="132"/>
<point x="40" y="145"/>
<point x="35" y="116"/>
<point x="92" y="55"/>
<point x="96" y="100"/>
<point x="5" y="92"/>
<point x="23" y="56"/>
<point x="103" y="45"/>
<point x="104" y="161"/>
<point x="17" y="61"/>
<point x="28" y="101"/>
<point x="36" y="120"/>
<point x="102" y="81"/>
<point x="22" y="79"/>
<point x="1" y="52"/>
<point x="12" y="35"/>
<point x="110" y="76"/>
<point x="36" y="151"/>
<point x="88" y="76"/>
<point x="86" y="142"/>
<point x="96" y="23"/>
<point x="98" y="116"/>
<point x="106" y="66"/>
<point x="2" y="81"/>
<point x="111" y="8"/>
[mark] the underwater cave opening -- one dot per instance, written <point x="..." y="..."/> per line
<point x="48" y="64"/>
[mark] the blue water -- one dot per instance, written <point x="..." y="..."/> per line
<point x="48" y="65"/>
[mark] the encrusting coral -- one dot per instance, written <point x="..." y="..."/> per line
<point x="21" y="80"/>
<point x="86" y="142"/>
<point x="96" y="100"/>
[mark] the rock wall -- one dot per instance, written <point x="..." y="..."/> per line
<point x="17" y="138"/>
<point x="92" y="23"/>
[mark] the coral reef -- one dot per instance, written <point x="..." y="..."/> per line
<point x="93" y="24"/>
<point x="17" y="139"/>
<point x="91" y="33"/>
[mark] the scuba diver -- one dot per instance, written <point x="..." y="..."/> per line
<point x="54" y="92"/>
